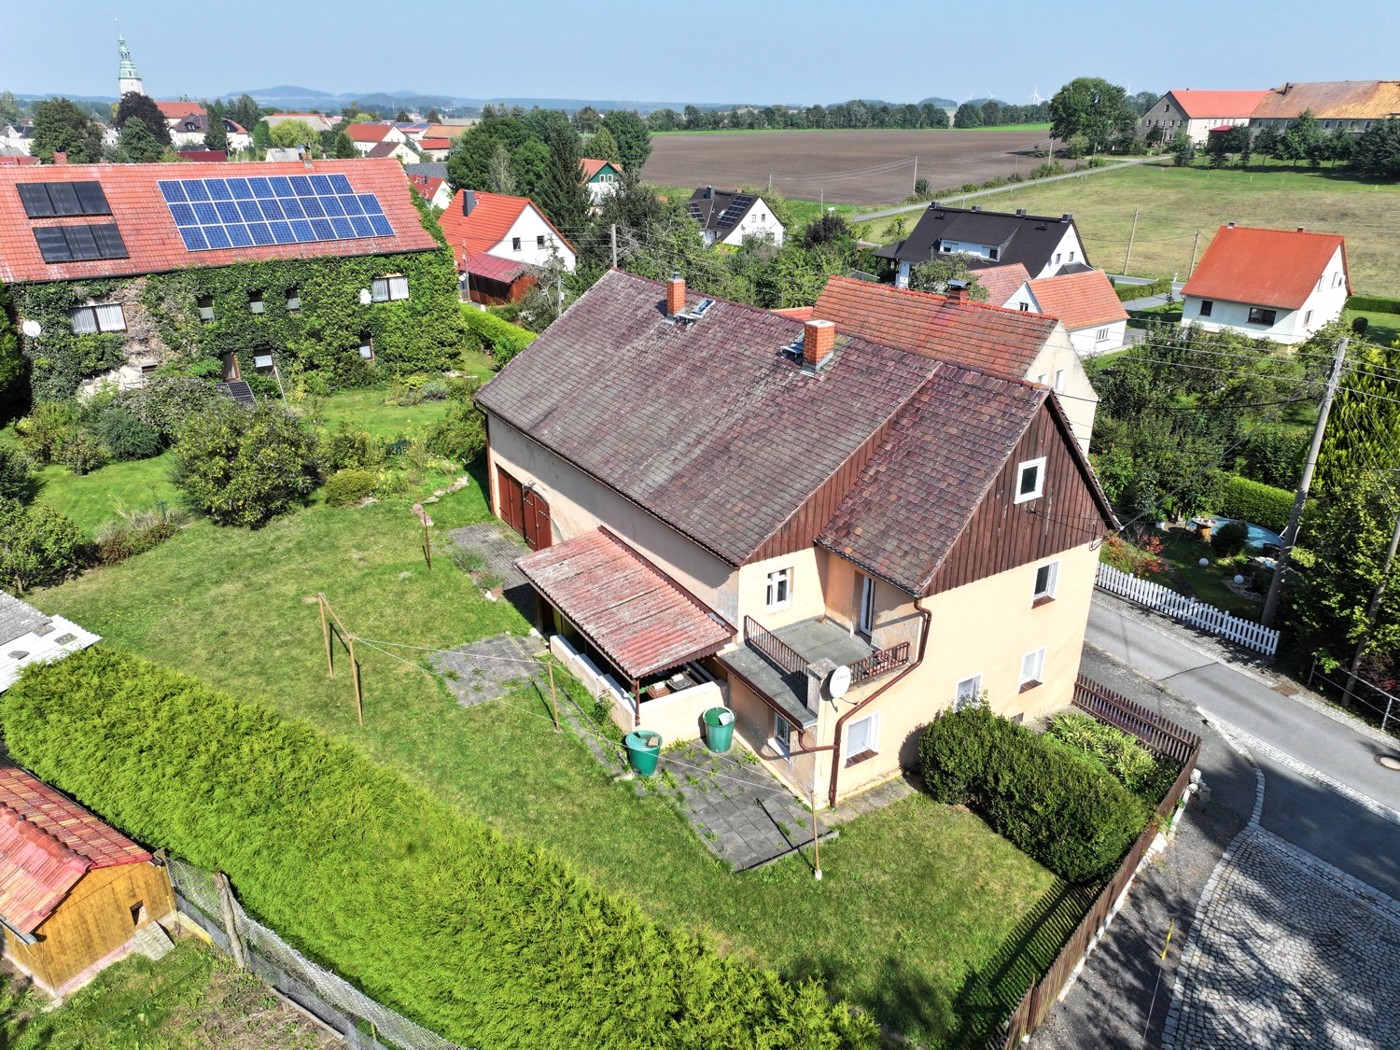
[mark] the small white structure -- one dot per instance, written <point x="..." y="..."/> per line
<point x="1271" y="284"/>
<point x="1088" y="306"/>
<point x="28" y="636"/>
<point x="727" y="218"/>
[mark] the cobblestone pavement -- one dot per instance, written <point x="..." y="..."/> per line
<point x="489" y="668"/>
<point x="499" y="546"/>
<point x="1287" y="951"/>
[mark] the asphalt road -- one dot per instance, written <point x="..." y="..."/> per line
<point x="1302" y="750"/>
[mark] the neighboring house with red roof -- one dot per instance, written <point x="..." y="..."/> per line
<point x="1016" y="343"/>
<point x="1089" y="308"/>
<point x="1007" y="286"/>
<point x="510" y="228"/>
<point x="367" y="135"/>
<point x="432" y="188"/>
<point x="601" y="177"/>
<point x="434" y="147"/>
<point x="115" y="268"/>
<point x="1271" y="284"/>
<point x="1196" y="113"/>
<point x="75" y="893"/>
<point x="174" y="110"/>
<point x="836" y="538"/>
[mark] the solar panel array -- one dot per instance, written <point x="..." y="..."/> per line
<point x="278" y="209"/>
<point x="79" y="243"/>
<point x="735" y="210"/>
<point x="48" y="200"/>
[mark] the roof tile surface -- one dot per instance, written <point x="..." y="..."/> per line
<point x="1209" y="105"/>
<point x="1330" y="99"/>
<point x="1002" y="282"/>
<point x="1080" y="300"/>
<point x="1264" y="267"/>
<point x="487" y="225"/>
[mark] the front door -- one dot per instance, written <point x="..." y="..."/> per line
<point x="865" y="619"/>
<point x="537" y="532"/>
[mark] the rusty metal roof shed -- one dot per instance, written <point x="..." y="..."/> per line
<point x="637" y="616"/>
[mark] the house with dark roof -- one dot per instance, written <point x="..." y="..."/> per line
<point x="1271" y="284"/>
<point x="76" y="895"/>
<point x="1018" y="344"/>
<point x="834" y="537"/>
<point x="28" y="636"/>
<point x="1197" y="113"/>
<point x="1045" y="246"/>
<point x="513" y="230"/>
<point x="113" y="269"/>
<point x="727" y="218"/>
<point x="189" y="131"/>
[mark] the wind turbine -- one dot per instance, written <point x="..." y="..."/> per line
<point x="1035" y="96"/>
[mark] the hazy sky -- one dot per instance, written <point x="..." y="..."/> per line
<point x="808" y="51"/>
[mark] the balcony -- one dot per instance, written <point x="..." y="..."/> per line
<point x="776" y="662"/>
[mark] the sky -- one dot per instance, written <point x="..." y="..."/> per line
<point x="796" y="51"/>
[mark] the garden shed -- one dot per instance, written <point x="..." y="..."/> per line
<point x="75" y="894"/>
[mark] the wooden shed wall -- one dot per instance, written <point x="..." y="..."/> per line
<point x="93" y="920"/>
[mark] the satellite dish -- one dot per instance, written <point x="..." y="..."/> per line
<point x="365" y="297"/>
<point x="33" y="329"/>
<point x="839" y="684"/>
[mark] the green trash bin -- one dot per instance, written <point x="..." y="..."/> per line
<point x="643" y="749"/>
<point x="719" y="729"/>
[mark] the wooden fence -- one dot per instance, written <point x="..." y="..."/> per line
<point x="1040" y="997"/>
<point x="1197" y="613"/>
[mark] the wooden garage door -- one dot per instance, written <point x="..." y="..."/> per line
<point x="525" y="511"/>
<point x="538" y="534"/>
<point x="510" y="500"/>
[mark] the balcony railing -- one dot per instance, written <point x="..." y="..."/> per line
<point x="783" y="656"/>
<point x="882" y="662"/>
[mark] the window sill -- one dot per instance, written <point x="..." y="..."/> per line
<point x="1026" y="687"/>
<point x="860" y="757"/>
<point x="1044" y="599"/>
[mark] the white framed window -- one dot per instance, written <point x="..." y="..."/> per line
<point x="1307" y="317"/>
<point x="967" y="692"/>
<point x="1025" y="308"/>
<point x="1060" y="372"/>
<point x="539" y="241"/>
<point x="293" y="300"/>
<point x="105" y="318"/>
<point x="388" y="289"/>
<point x="1101" y="335"/>
<point x="366" y="346"/>
<point x="1030" y="480"/>
<point x="862" y="739"/>
<point x="782" y="736"/>
<point x="779" y="589"/>
<point x="1057" y="257"/>
<point x="1032" y="669"/>
<point x="255" y="303"/>
<point x="865" y="615"/>
<point x="206" y="308"/>
<point x="515" y="244"/>
<point x="1337" y="279"/>
<point x="1071" y="256"/>
<point x="1043" y="379"/>
<point x="1045" y="577"/>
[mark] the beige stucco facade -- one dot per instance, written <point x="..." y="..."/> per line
<point x="1058" y="366"/>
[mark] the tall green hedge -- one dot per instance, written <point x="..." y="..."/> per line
<point x="1127" y="292"/>
<point x="1374" y="304"/>
<point x="1254" y="501"/>
<point x="1074" y="820"/>
<point x="474" y="934"/>
<point x="505" y="339"/>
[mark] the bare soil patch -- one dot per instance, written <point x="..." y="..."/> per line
<point x="856" y="167"/>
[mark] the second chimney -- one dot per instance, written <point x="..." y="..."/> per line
<point x="957" y="291"/>
<point x="675" y="295"/>
<point x="818" y="342"/>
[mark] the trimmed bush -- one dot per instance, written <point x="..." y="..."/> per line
<point x="1375" y="304"/>
<point x="1047" y="802"/>
<point x="346" y="488"/>
<point x="125" y="436"/>
<point x="1118" y="753"/>
<point x="1128" y="292"/>
<point x="480" y="937"/>
<point x="1229" y="539"/>
<point x="1254" y="501"/>
<point x="505" y="339"/>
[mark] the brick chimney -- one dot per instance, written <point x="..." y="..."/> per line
<point x="818" y="342"/>
<point x="675" y="295"/>
<point x="60" y="157"/>
<point x="957" y="291"/>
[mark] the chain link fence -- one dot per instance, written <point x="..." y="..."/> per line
<point x="364" y="1023"/>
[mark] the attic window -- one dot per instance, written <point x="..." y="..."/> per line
<point x="1030" y="480"/>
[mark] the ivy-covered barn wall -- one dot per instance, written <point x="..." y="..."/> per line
<point x="424" y="332"/>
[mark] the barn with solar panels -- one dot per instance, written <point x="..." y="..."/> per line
<point x="115" y="270"/>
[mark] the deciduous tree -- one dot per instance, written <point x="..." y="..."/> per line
<point x="144" y="109"/>
<point x="61" y="126"/>
<point x="1093" y="108"/>
<point x="633" y="139"/>
<point x="137" y="144"/>
<point x="38" y="546"/>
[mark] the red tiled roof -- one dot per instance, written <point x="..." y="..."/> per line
<point x="18" y="162"/>
<point x="433" y="142"/>
<point x="149" y="232"/>
<point x="488" y="223"/>
<point x="177" y="109"/>
<point x="993" y="339"/>
<point x="1203" y="105"/>
<point x="631" y="611"/>
<point x="364" y="132"/>
<point x="494" y="268"/>
<point x="47" y="843"/>
<point x="204" y="156"/>
<point x="592" y="165"/>
<point x="797" y="313"/>
<point x="1002" y="282"/>
<point x="1265" y="267"/>
<point x="1080" y="300"/>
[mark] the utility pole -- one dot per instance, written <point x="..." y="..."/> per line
<point x="1290" y="532"/>
<point x="1194" y="245"/>
<point x="1372" y="609"/>
<point x="1127" y="258"/>
<point x="916" y="174"/>
<point x="612" y="236"/>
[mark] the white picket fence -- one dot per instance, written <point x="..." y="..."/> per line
<point x="1189" y="610"/>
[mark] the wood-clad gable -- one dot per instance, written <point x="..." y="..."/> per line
<point x="1003" y="534"/>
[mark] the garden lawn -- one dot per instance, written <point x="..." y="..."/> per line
<point x="1184" y="552"/>
<point x="98" y="497"/>
<point x="1176" y="202"/>
<point x="1384" y="329"/>
<point x="190" y="1000"/>
<point x="365" y="410"/>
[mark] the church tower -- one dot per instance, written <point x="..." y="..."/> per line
<point x="128" y="80"/>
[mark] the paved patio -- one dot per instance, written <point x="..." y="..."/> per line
<point x="489" y="668"/>
<point x="499" y="546"/>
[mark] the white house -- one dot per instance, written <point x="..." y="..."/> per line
<point x="1196" y="113"/>
<point x="601" y="177"/>
<point x="1272" y="284"/>
<point x="1089" y="308"/>
<point x="510" y="228"/>
<point x="366" y="136"/>
<point x="28" y="636"/>
<point x="190" y="130"/>
<point x="727" y="218"/>
<point x="1044" y="245"/>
